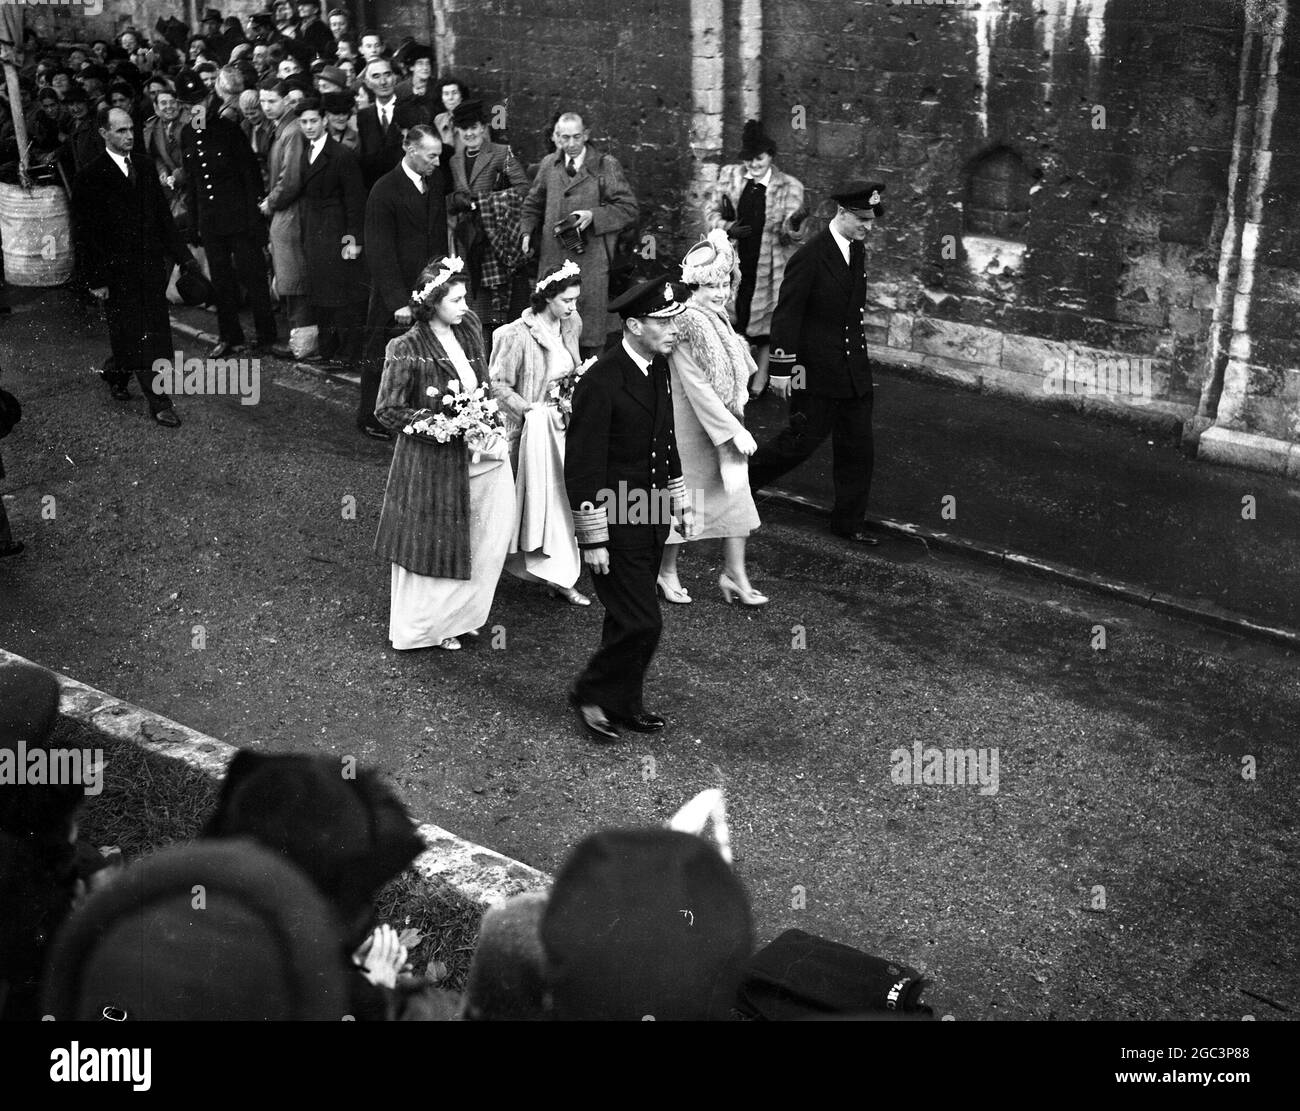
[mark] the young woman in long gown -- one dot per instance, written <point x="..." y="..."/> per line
<point x="448" y="508"/>
<point x="528" y="357"/>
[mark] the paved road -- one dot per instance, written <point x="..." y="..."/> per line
<point x="1123" y="868"/>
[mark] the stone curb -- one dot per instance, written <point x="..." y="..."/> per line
<point x="478" y="874"/>
<point x="1202" y="612"/>
<point x="208" y="337"/>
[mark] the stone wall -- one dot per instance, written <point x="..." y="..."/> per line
<point x="1060" y="222"/>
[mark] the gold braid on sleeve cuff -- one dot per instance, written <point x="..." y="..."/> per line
<point x="782" y="361"/>
<point x="677" y="495"/>
<point x="590" y="525"/>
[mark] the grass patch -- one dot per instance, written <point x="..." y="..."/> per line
<point x="149" y="802"/>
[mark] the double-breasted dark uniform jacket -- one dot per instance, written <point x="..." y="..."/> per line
<point x="223" y="178"/>
<point x="818" y="322"/>
<point x="126" y="239"/>
<point x="624" y="481"/>
<point x="620" y="452"/>
<point x="332" y="212"/>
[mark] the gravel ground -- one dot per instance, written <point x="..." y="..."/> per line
<point x="1119" y="769"/>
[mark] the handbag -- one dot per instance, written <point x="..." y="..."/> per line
<point x="726" y="209"/>
<point x="801" y="976"/>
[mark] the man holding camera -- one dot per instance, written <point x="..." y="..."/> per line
<point x="579" y="202"/>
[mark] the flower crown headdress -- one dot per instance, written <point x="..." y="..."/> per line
<point x="570" y="269"/>
<point x="446" y="269"/>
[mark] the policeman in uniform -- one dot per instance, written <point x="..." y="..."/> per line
<point x="819" y="359"/>
<point x="624" y="482"/>
<point x="224" y="184"/>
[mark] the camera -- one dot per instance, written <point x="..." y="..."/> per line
<point x="571" y="239"/>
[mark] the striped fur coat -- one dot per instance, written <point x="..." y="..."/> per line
<point x="424" y="524"/>
<point x="784" y="200"/>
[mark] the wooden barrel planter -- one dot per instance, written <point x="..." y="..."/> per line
<point x="35" y="235"/>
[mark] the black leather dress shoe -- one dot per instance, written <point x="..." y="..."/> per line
<point x="859" y="537"/>
<point x="375" y="432"/>
<point x="119" y="393"/>
<point x="168" y="418"/>
<point x="643" y="722"/>
<point x="594" y="721"/>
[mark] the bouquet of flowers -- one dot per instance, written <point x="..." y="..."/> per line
<point x="560" y="393"/>
<point x="470" y="414"/>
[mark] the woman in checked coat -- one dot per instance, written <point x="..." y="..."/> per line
<point x="762" y="209"/>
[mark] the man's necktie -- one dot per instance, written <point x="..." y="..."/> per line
<point x="570" y="168"/>
<point x="130" y="172"/>
<point x="383" y="119"/>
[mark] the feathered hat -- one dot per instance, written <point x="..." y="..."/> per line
<point x="712" y="261"/>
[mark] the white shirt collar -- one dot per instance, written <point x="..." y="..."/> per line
<point x="120" y="160"/>
<point x="317" y="147"/>
<point x="416" y="180"/>
<point x="764" y="181"/>
<point x="643" y="364"/>
<point x="390" y="107"/>
<point x="841" y="242"/>
<point x="577" y="162"/>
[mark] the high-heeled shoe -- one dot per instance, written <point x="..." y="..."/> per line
<point x="569" y="594"/>
<point x="451" y="644"/>
<point x="730" y="592"/>
<point x="672" y="593"/>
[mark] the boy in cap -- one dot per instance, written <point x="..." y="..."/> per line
<point x="621" y="465"/>
<point x="819" y="360"/>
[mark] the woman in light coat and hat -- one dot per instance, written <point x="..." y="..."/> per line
<point x="762" y="209"/>
<point x="709" y="370"/>
<point x="529" y="356"/>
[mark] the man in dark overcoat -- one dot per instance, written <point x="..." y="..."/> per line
<point x="624" y="482"/>
<point x="819" y="360"/>
<point x="223" y="186"/>
<point x="406" y="228"/>
<point x="127" y="242"/>
<point x="332" y="211"/>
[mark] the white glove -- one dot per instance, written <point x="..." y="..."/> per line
<point x="745" y="443"/>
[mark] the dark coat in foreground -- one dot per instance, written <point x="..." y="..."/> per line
<point x="332" y="212"/>
<point x="424" y="525"/>
<point x="127" y="240"/>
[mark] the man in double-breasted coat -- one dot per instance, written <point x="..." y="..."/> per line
<point x="578" y="180"/>
<point x="406" y="228"/>
<point x="624" y="481"/>
<point x="127" y="242"/>
<point x="819" y="360"/>
<point x="223" y="183"/>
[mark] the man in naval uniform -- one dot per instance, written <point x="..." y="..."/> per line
<point x="624" y="481"/>
<point x="819" y="360"/>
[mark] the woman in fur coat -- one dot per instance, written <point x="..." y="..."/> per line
<point x="762" y="209"/>
<point x="709" y="371"/>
